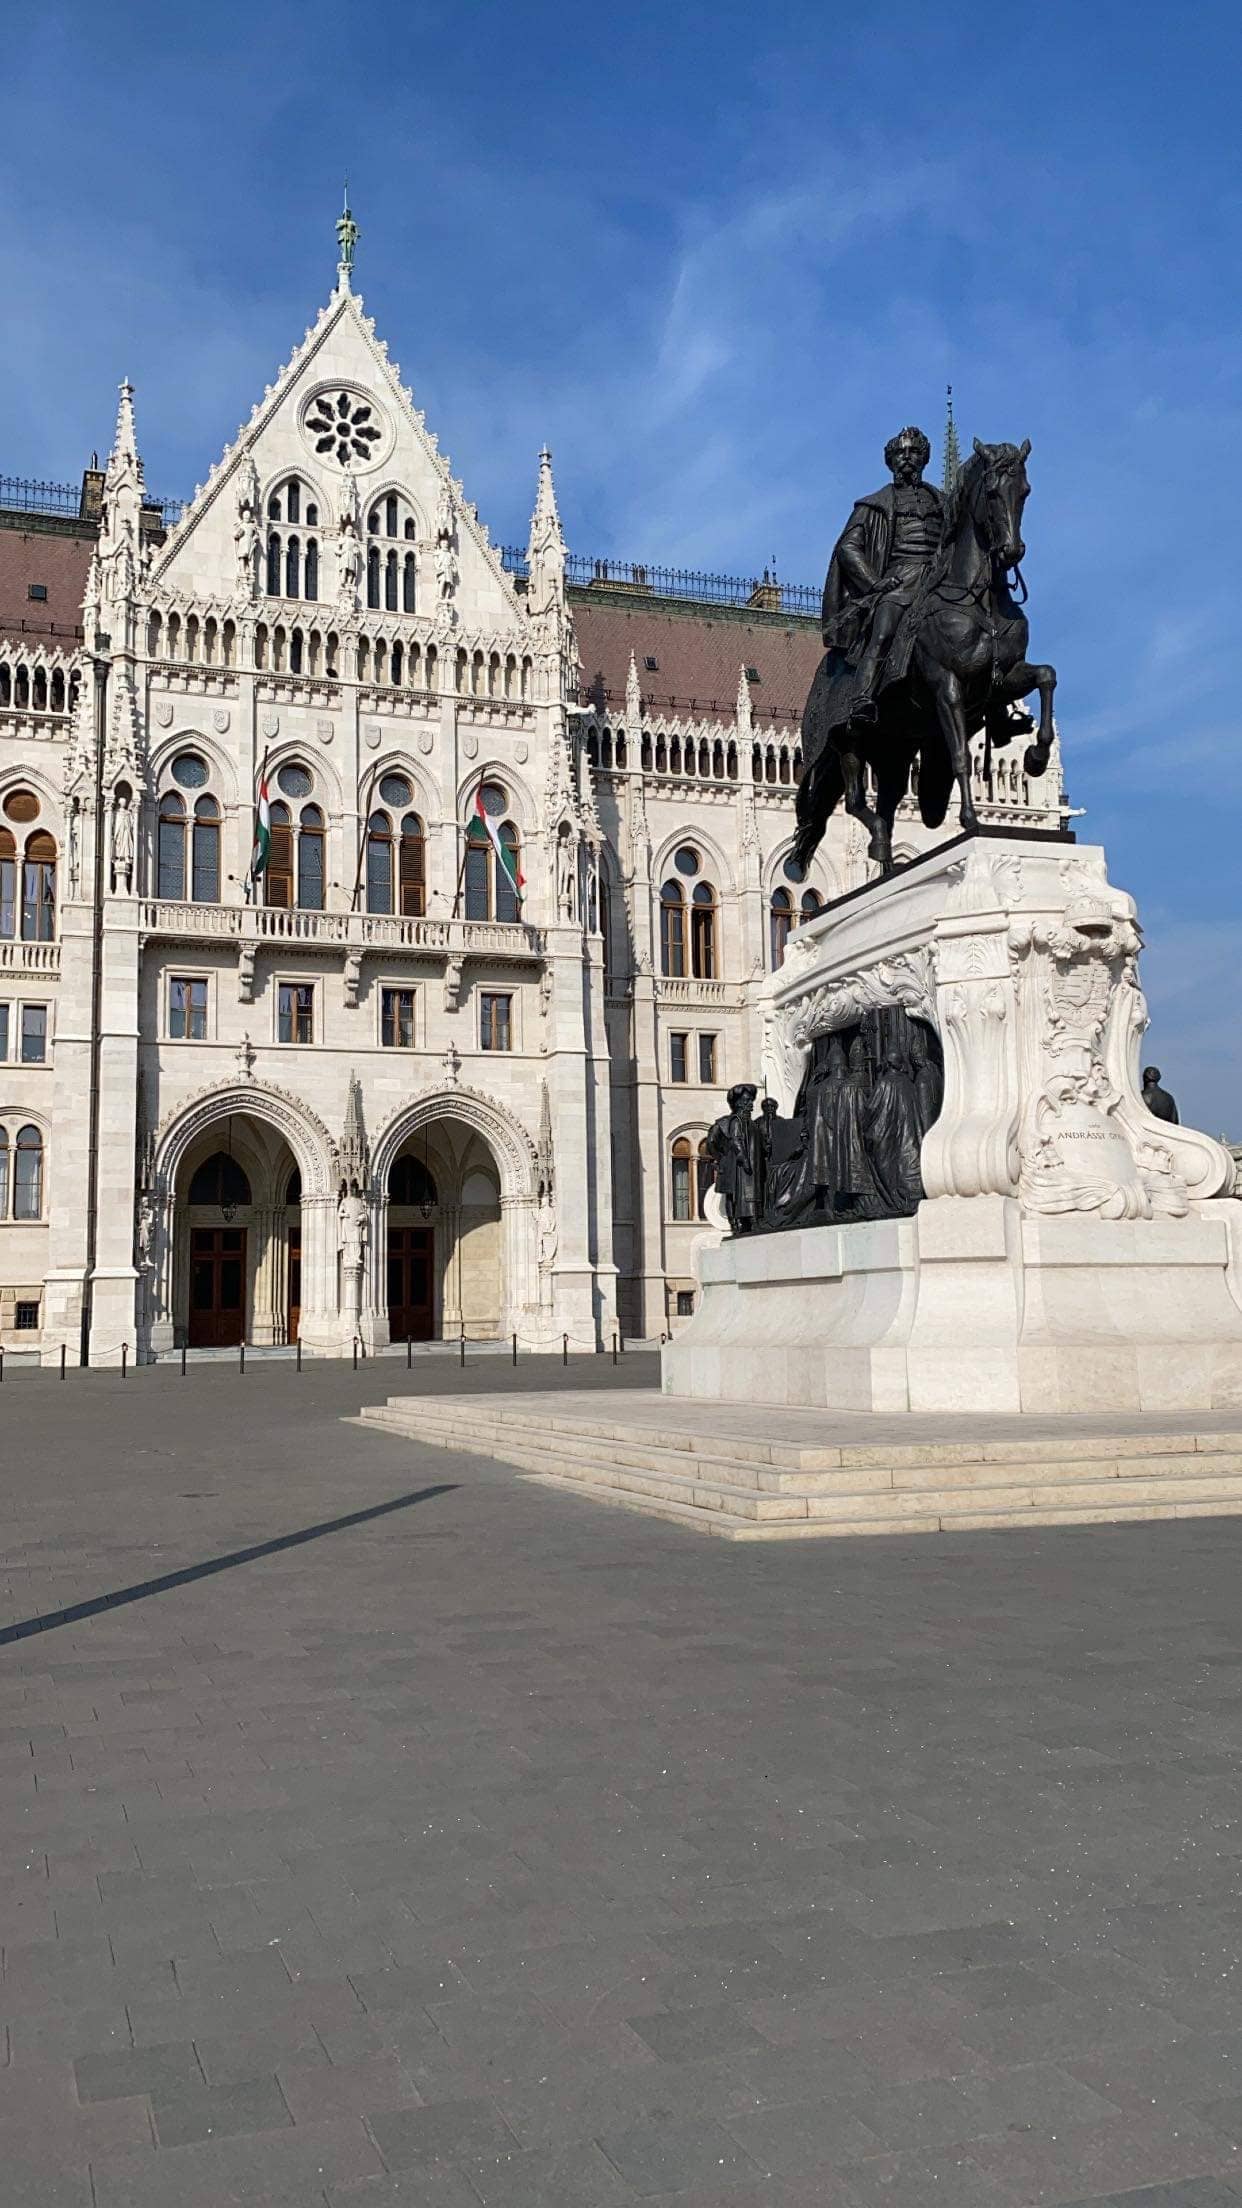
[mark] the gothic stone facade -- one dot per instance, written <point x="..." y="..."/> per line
<point x="380" y="1097"/>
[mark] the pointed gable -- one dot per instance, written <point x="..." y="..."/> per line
<point x="339" y="377"/>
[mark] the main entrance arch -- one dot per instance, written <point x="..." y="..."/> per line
<point x="245" y="1217"/>
<point x="453" y="1178"/>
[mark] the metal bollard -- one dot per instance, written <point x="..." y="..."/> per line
<point x="462" y="1357"/>
<point x="564" y="1349"/>
<point x="299" y="1356"/>
<point x="409" y="1352"/>
<point x="183" y="1360"/>
<point x="614" y="1349"/>
<point x="621" y="1340"/>
<point x="125" y="1360"/>
<point x="62" y="1360"/>
<point x="241" y="1358"/>
<point x="355" y="1353"/>
<point x="515" y="1349"/>
<point x="1" y="1364"/>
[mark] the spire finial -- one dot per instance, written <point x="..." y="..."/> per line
<point x="347" y="235"/>
<point x="952" y="456"/>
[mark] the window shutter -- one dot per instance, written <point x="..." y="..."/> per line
<point x="413" y="876"/>
<point x="280" y="867"/>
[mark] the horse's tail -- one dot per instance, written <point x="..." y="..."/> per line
<point x="819" y="793"/>
<point x="935" y="780"/>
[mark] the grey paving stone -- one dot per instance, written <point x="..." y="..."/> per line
<point x="1191" y="2192"/>
<point x="214" y="2112"/>
<point x="575" y="2176"/>
<point x="800" y="2137"/>
<point x="113" y="2076"/>
<point x="721" y="2029"/>
<point x="444" y="2131"/>
<point x="670" y="2153"/>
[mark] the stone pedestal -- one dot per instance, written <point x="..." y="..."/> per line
<point x="1072" y="1253"/>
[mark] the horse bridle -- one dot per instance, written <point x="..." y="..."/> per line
<point x="1014" y="578"/>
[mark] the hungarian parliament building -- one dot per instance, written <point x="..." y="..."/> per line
<point x="382" y="910"/>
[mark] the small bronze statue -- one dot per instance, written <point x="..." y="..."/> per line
<point x="1158" y="1101"/>
<point x="733" y="1141"/>
<point x="894" y="1137"/>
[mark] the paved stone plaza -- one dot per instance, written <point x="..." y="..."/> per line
<point x="499" y="1848"/>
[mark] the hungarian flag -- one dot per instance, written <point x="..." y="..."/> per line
<point x="505" y="857"/>
<point x="262" y="828"/>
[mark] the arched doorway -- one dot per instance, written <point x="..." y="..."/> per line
<point x="237" y="1256"/>
<point x="444" y="1254"/>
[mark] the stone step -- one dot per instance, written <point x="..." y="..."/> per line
<point x="940" y="1466"/>
<point x="944" y="1493"/>
<point x="1057" y="1511"/>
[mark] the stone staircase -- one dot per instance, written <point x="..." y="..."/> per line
<point x="753" y="1475"/>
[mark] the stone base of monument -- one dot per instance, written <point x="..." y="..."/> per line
<point x="1071" y="1254"/>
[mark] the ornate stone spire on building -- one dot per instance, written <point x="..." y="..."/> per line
<point x="633" y="703"/>
<point x="347" y="236"/>
<point x="952" y="456"/>
<point x="355" y="1156"/>
<point x="745" y="711"/>
<point x="120" y="549"/>
<point x="546" y="546"/>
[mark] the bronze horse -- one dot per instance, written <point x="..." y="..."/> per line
<point x="968" y="665"/>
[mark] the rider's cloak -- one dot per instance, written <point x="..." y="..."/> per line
<point x="861" y="553"/>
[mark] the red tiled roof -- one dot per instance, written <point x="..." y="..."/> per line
<point x="700" y="652"/>
<point x="59" y="559"/>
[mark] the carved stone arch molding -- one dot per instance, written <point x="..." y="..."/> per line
<point x="305" y="1133"/>
<point x="510" y="1145"/>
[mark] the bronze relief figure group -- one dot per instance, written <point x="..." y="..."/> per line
<point x="850" y="1151"/>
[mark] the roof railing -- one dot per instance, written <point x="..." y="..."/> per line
<point x="20" y="494"/>
<point x="759" y="594"/>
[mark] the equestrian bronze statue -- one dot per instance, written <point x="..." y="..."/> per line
<point x="925" y="646"/>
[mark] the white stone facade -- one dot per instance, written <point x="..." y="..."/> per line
<point x="411" y="1106"/>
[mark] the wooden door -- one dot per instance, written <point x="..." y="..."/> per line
<point x="295" y="1282"/>
<point x="411" y="1291"/>
<point x="217" y="1287"/>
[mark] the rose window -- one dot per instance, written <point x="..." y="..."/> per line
<point x="342" y="423"/>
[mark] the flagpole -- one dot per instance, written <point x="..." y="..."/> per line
<point x="461" y="871"/>
<point x="251" y="877"/>
<point x="362" y="836"/>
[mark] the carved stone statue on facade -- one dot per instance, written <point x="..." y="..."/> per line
<point x="123" y="843"/>
<point x="446" y="556"/>
<point x="351" y="1216"/>
<point x="247" y="542"/>
<point x="1158" y="1101"/>
<point x="732" y="1142"/>
<point x="73" y="841"/>
<point x="349" y="560"/>
<point x="924" y="646"/>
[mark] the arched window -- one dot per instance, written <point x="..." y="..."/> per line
<point x="373" y="575"/>
<point x="390" y="515"/>
<point x="28" y="1174"/>
<point x="493" y="880"/>
<point x="8" y="882"/>
<point x="705" y="1174"/>
<point x="673" y="930"/>
<point x="278" y="877"/>
<point x="170" y="858"/>
<point x="390" y="583"/>
<point x="409" y="575"/>
<point x="4" y="1173"/>
<point x="310" y="580"/>
<point x="205" y="852"/>
<point x="379" y="863"/>
<point x="811" y="904"/>
<point x="683" y="1178"/>
<point x="780" y="923"/>
<point x="310" y="859"/>
<point x="703" y="956"/>
<point x="39" y="889"/>
<point x="273" y="570"/>
<point x="412" y="871"/>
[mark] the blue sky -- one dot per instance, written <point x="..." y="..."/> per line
<point x="715" y="257"/>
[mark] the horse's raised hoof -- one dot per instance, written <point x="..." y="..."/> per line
<point x="1036" y="760"/>
<point x="805" y="845"/>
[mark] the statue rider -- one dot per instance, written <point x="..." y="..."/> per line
<point x="877" y="568"/>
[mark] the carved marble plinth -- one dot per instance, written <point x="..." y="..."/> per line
<point x="1072" y="1252"/>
